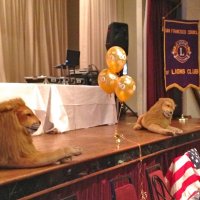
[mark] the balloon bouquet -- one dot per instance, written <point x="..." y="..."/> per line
<point x="110" y="82"/>
<point x="123" y="86"/>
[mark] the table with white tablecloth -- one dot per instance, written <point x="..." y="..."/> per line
<point x="65" y="107"/>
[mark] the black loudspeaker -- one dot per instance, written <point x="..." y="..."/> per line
<point x="117" y="36"/>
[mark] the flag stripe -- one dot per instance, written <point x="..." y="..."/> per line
<point x="185" y="170"/>
<point x="176" y="169"/>
<point x="180" y="182"/>
<point x="183" y="175"/>
<point x="182" y="193"/>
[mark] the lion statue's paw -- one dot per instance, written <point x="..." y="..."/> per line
<point x="65" y="160"/>
<point x="176" y="131"/>
<point x="72" y="151"/>
<point x="173" y="131"/>
<point x="53" y="131"/>
<point x="76" y="151"/>
<point x="137" y="126"/>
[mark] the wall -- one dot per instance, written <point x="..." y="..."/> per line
<point x="126" y="11"/>
<point x="132" y="13"/>
<point x="73" y="24"/>
<point x="130" y="19"/>
<point x="190" y="11"/>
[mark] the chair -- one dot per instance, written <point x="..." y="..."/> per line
<point x="122" y="188"/>
<point x="156" y="183"/>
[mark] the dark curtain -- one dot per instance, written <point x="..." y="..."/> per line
<point x="157" y="9"/>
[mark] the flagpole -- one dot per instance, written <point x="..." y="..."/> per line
<point x="172" y="10"/>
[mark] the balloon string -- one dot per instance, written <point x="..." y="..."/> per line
<point x="143" y="194"/>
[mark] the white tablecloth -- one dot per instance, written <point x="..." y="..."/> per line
<point x="65" y="107"/>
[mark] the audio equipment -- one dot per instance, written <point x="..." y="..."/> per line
<point x="117" y="35"/>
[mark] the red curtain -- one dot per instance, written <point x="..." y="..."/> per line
<point x="156" y="10"/>
<point x="98" y="187"/>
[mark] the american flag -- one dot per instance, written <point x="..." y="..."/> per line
<point x="183" y="175"/>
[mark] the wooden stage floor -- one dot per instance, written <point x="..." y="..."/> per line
<point x="98" y="144"/>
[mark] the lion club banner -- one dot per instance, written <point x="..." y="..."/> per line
<point x="181" y="68"/>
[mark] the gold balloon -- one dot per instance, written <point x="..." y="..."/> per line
<point x="115" y="59"/>
<point x="125" y="88"/>
<point x="107" y="81"/>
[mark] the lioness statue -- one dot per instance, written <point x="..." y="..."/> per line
<point x="17" y="150"/>
<point x="158" y="118"/>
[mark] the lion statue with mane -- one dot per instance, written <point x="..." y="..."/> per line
<point x="158" y="118"/>
<point x="17" y="122"/>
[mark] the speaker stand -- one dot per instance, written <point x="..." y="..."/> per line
<point x="122" y="108"/>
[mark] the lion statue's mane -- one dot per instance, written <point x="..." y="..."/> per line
<point x="158" y="118"/>
<point x="16" y="147"/>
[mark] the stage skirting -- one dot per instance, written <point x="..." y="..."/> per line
<point x="65" y="107"/>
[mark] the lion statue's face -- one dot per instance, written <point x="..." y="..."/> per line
<point x="168" y="107"/>
<point x="25" y="115"/>
<point x="27" y="118"/>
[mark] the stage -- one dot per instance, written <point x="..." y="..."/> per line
<point x="103" y="158"/>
